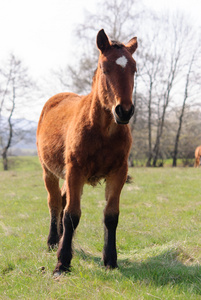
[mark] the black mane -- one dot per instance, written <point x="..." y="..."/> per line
<point x="116" y="44"/>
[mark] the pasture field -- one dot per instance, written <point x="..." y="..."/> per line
<point x="158" y="238"/>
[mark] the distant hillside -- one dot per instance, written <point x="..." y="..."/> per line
<point x="24" y="136"/>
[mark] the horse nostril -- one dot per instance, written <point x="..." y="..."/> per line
<point x="123" y="116"/>
<point x="123" y="113"/>
<point x="119" y="111"/>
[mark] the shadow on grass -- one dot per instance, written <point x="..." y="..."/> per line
<point x="88" y="257"/>
<point x="164" y="269"/>
<point x="161" y="270"/>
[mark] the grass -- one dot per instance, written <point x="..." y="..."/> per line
<point x="158" y="238"/>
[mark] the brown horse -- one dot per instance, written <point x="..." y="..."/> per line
<point x="197" y="156"/>
<point x="83" y="139"/>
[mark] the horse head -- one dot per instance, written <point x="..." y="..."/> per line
<point x="116" y="76"/>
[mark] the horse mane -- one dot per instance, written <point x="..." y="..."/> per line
<point x="116" y="44"/>
<point x="94" y="78"/>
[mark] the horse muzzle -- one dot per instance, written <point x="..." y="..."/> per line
<point x="123" y="116"/>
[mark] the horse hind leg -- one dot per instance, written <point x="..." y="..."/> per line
<point x="55" y="207"/>
<point x="71" y="217"/>
<point x="63" y="195"/>
<point x="197" y="161"/>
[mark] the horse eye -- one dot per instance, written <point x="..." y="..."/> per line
<point x="105" y="68"/>
<point x="105" y="72"/>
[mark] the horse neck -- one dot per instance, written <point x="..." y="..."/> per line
<point x="99" y="112"/>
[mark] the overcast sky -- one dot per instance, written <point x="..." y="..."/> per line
<point x="39" y="32"/>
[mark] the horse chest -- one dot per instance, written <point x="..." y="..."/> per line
<point x="98" y="155"/>
<point x="102" y="159"/>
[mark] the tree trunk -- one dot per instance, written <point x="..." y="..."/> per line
<point x="148" y="164"/>
<point x="130" y="160"/>
<point x="156" y="150"/>
<point x="5" y="150"/>
<point x="5" y="159"/>
<point x="166" y="99"/>
<point x="174" y="162"/>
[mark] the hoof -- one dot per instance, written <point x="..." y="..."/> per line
<point x="53" y="242"/>
<point x="53" y="247"/>
<point x="56" y="275"/>
<point x="111" y="267"/>
<point x="59" y="269"/>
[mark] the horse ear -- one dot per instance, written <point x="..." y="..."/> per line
<point x="102" y="41"/>
<point x="132" y="45"/>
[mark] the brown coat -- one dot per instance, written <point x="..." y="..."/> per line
<point x="83" y="139"/>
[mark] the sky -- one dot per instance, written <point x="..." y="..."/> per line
<point x="40" y="32"/>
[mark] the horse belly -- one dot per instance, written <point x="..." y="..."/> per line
<point x="51" y="155"/>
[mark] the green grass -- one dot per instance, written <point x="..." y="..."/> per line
<point x="22" y="163"/>
<point x="158" y="238"/>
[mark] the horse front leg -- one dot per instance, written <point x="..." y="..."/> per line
<point x="114" y="184"/>
<point x="71" y="217"/>
<point x="55" y="207"/>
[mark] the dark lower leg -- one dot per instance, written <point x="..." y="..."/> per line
<point x="109" y="251"/>
<point x="55" y="206"/>
<point x="53" y="237"/>
<point x="64" y="253"/>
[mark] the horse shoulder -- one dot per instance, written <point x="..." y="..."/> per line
<point x="57" y="107"/>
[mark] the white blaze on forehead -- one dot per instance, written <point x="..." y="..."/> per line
<point x="122" y="61"/>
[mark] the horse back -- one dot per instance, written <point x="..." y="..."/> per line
<point x="56" y="106"/>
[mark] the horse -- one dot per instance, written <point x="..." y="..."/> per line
<point x="197" y="156"/>
<point x="84" y="139"/>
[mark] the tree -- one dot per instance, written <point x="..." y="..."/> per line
<point x="162" y="73"/>
<point x="175" y="152"/>
<point x="150" y="73"/>
<point x="116" y="17"/>
<point x="162" y="57"/>
<point x="15" y="83"/>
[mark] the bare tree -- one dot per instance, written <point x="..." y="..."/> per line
<point x="162" y="73"/>
<point x="117" y="18"/>
<point x="151" y="63"/>
<point x="168" y="84"/>
<point x="10" y="130"/>
<point x="161" y="60"/>
<point x="15" y="82"/>
<point x="189" y="82"/>
<point x="175" y="152"/>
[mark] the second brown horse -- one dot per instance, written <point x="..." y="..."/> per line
<point x="83" y="139"/>
<point x="197" y="156"/>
